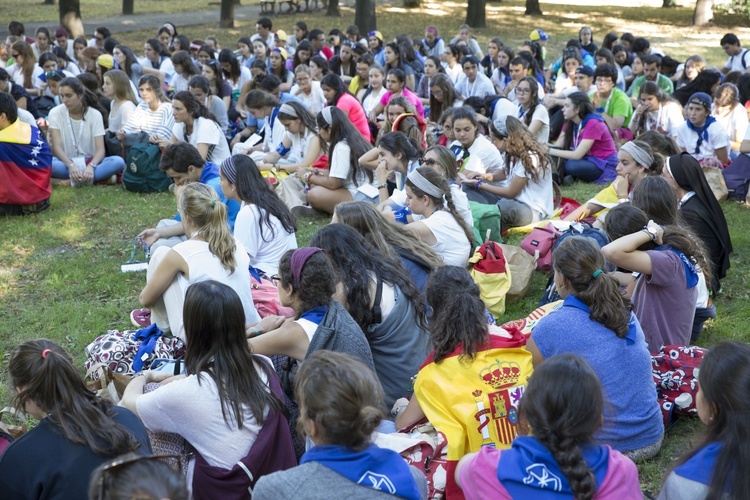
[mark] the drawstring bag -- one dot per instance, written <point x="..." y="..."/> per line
<point x="539" y="244"/>
<point x="491" y="273"/>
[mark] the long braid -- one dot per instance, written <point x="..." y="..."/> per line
<point x="569" y="457"/>
<point x="452" y="209"/>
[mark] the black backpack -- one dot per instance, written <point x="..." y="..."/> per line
<point x="576" y="229"/>
<point x="142" y="174"/>
<point x="737" y="177"/>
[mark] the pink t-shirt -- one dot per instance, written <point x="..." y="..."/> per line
<point x="604" y="144"/>
<point x="478" y="477"/>
<point x="351" y="106"/>
<point x="409" y="96"/>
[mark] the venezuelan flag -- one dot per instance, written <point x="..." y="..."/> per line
<point x="25" y="165"/>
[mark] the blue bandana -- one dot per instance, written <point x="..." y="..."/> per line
<point x="572" y="301"/>
<point x="315" y="315"/>
<point x="701" y="465"/>
<point x="528" y="470"/>
<point x="691" y="275"/>
<point x="376" y="468"/>
<point x="701" y="131"/>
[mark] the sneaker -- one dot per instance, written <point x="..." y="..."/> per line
<point x="306" y="211"/>
<point x="140" y="317"/>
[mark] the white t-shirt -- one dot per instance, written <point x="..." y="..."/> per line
<point x="735" y="63"/>
<point x="77" y="136"/>
<point x="498" y="79"/>
<point x="265" y="251"/>
<point x="193" y="410"/>
<point x="481" y="87"/>
<point x="452" y="244"/>
<point x="538" y="195"/>
<point x="16" y="73"/>
<point x="165" y="66"/>
<point x="340" y="167"/>
<point x="512" y="94"/>
<point x="245" y="76"/>
<point x="205" y="131"/>
<point x="159" y="122"/>
<point x="668" y="117"/>
<point x="454" y="73"/>
<point x="541" y="114"/>
<point x="315" y="101"/>
<point x="717" y="139"/>
<point x="371" y="101"/>
<point x="735" y="123"/>
<point x="483" y="156"/>
<point x="178" y="82"/>
<point x="120" y="114"/>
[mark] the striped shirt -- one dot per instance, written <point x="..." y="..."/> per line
<point x="159" y="122"/>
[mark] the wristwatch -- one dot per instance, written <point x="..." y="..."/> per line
<point x="651" y="231"/>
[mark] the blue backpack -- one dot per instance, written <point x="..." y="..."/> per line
<point x="737" y="177"/>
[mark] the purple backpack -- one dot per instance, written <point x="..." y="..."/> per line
<point x="272" y="451"/>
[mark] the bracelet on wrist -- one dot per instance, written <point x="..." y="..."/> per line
<point x="383" y="185"/>
<point x="479" y="183"/>
<point x="397" y="410"/>
<point x="254" y="332"/>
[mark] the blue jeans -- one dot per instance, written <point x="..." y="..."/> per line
<point x="582" y="169"/>
<point x="107" y="168"/>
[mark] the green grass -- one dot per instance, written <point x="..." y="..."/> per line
<point x="59" y="270"/>
<point x="37" y="11"/>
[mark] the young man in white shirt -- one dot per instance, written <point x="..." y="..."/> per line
<point x="473" y="83"/>
<point x="739" y="58"/>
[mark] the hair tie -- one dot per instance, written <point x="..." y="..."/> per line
<point x="45" y="352"/>
<point x="213" y="203"/>
<point x="299" y="259"/>
<point x="597" y="273"/>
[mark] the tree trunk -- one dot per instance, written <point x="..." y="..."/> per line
<point x="333" y="9"/>
<point x="226" y="17"/>
<point x="49" y="2"/>
<point x="533" y="8"/>
<point x="70" y="17"/>
<point x="475" y="15"/>
<point x="704" y="12"/>
<point x="237" y="2"/>
<point x="667" y="4"/>
<point x="128" y="7"/>
<point x="412" y="4"/>
<point x="364" y="16"/>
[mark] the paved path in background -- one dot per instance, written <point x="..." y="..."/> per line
<point x="123" y="24"/>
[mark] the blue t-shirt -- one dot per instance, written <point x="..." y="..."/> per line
<point x="632" y="418"/>
<point x="210" y="177"/>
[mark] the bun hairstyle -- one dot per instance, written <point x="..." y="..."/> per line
<point x="45" y="375"/>
<point x="578" y="259"/>
<point x="342" y="396"/>
<point x="317" y="280"/>
<point x="563" y="404"/>
<point x="458" y="317"/>
<point x="200" y="204"/>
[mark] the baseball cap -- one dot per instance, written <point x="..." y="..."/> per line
<point x="585" y="70"/>
<point x="538" y="34"/>
<point x="701" y="98"/>
<point x="376" y="34"/>
<point x="106" y="61"/>
<point x="281" y="35"/>
<point x="61" y="32"/>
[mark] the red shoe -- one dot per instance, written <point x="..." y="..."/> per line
<point x="140" y="317"/>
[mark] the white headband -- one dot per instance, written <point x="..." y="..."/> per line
<point x="288" y="109"/>
<point x="640" y="155"/>
<point x="424" y="185"/>
<point x="327" y="116"/>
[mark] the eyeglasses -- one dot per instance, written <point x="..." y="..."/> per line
<point x="275" y="279"/>
<point x="427" y="161"/>
<point x="110" y="467"/>
<point x="523" y="91"/>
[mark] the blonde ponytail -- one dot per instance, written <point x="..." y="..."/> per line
<point x="208" y="215"/>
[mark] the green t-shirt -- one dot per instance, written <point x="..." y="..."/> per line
<point x="618" y="104"/>
<point x="662" y="81"/>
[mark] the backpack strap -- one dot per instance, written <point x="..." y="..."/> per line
<point x="742" y="58"/>
<point x="377" y="313"/>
